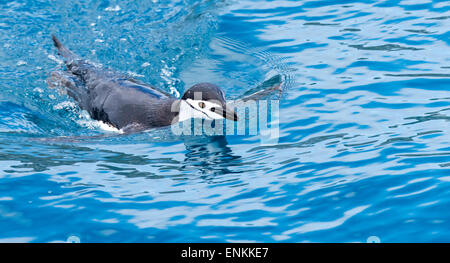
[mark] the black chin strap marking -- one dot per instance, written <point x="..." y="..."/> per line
<point x="199" y="110"/>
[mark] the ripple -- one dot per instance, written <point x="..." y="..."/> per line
<point x="385" y="47"/>
<point x="418" y="75"/>
<point x="317" y="226"/>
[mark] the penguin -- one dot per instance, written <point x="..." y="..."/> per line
<point x="131" y="105"/>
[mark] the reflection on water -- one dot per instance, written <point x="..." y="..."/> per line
<point x="364" y="117"/>
<point x="209" y="156"/>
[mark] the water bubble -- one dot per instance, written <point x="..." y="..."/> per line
<point x="73" y="239"/>
<point x="373" y="239"/>
<point x="21" y="62"/>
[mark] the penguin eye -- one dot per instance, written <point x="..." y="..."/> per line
<point x="201" y="104"/>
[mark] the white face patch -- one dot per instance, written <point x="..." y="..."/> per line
<point x="200" y="109"/>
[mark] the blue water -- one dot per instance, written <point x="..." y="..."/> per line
<point x="364" y="146"/>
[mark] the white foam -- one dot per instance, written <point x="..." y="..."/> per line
<point x="134" y="74"/>
<point x="113" y="9"/>
<point x="65" y="105"/>
<point x="21" y="62"/>
<point x="174" y="92"/>
<point x="57" y="60"/>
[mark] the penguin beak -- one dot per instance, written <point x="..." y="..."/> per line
<point x="230" y="114"/>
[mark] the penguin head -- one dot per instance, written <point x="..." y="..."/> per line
<point x="205" y="101"/>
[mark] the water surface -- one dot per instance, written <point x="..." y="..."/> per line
<point x="364" y="123"/>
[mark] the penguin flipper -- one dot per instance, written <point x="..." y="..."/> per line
<point x="262" y="91"/>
